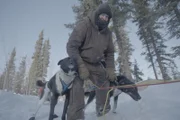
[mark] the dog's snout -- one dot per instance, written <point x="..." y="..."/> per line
<point x="138" y="98"/>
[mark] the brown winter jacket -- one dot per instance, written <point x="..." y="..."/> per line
<point x="88" y="44"/>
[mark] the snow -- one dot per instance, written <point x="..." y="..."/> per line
<point x="161" y="102"/>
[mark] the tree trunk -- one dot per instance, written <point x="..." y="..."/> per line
<point x="5" y="81"/>
<point x="159" y="60"/>
<point x="151" y="59"/>
<point x="124" y="62"/>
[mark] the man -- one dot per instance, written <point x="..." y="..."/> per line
<point x="89" y="43"/>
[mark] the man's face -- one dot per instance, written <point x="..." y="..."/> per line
<point x="104" y="17"/>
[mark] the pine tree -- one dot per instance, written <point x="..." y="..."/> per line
<point x="82" y="10"/>
<point x="169" y="10"/>
<point x="176" y="51"/>
<point x="2" y="77"/>
<point x="20" y="76"/>
<point x="45" y="57"/>
<point x="125" y="52"/>
<point x="10" y="72"/>
<point x="141" y="18"/>
<point x="1" y="81"/>
<point x="150" y="36"/>
<point x="36" y="66"/>
<point x="137" y="73"/>
<point x="38" y="55"/>
<point x="25" y="86"/>
<point x="120" y="10"/>
<point x="174" y="70"/>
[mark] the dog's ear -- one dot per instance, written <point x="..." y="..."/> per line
<point x="59" y="62"/>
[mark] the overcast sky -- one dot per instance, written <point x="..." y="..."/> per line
<point x="21" y="21"/>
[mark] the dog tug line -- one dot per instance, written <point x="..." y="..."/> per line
<point x="158" y="82"/>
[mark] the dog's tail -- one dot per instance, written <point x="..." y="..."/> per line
<point x="40" y="83"/>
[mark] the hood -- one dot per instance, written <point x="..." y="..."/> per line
<point x="93" y="15"/>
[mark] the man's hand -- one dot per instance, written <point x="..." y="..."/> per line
<point x="111" y="76"/>
<point x="83" y="72"/>
<point x="88" y="86"/>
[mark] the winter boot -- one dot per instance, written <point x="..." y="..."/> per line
<point x="99" y="112"/>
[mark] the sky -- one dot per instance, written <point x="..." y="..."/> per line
<point x="21" y="22"/>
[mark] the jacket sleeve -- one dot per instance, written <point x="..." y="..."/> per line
<point x="75" y="41"/>
<point x="109" y="54"/>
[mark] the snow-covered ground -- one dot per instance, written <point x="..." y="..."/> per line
<point x="161" y="102"/>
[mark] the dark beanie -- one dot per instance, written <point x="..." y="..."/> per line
<point x="104" y="8"/>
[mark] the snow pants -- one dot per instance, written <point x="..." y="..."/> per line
<point x="76" y="104"/>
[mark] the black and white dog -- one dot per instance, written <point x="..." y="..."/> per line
<point x="121" y="81"/>
<point x="57" y="86"/>
<point x="132" y="91"/>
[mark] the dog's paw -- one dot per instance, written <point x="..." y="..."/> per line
<point x="32" y="118"/>
<point x="55" y="116"/>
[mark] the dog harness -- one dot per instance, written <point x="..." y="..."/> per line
<point x="65" y="86"/>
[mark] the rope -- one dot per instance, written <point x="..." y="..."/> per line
<point x="140" y="85"/>
<point x="131" y="86"/>
<point x="106" y="101"/>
